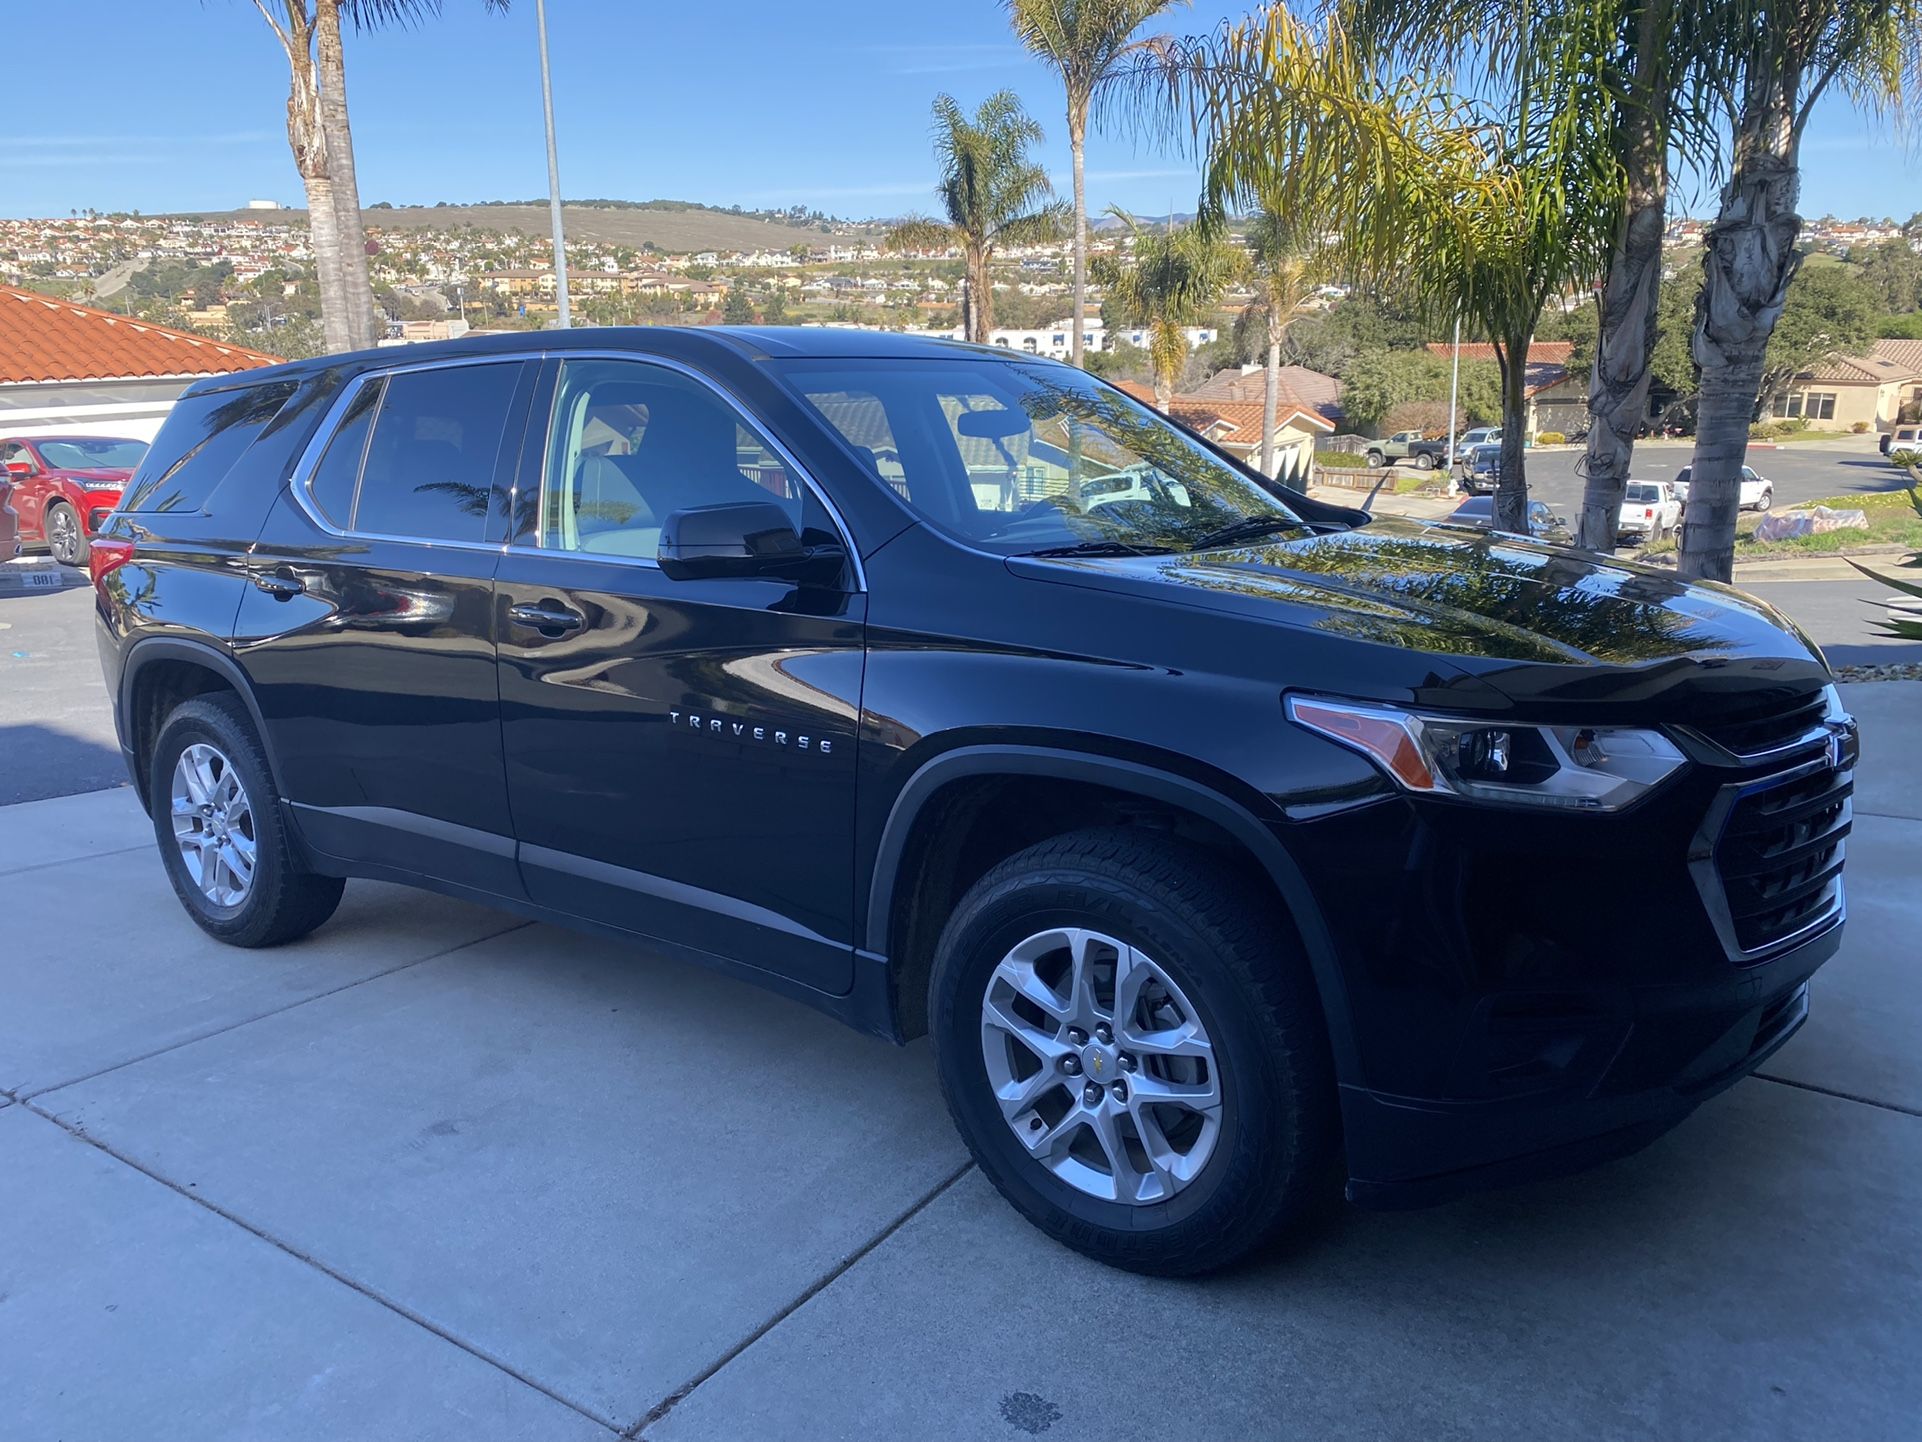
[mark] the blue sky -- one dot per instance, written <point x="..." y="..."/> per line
<point x="170" y="105"/>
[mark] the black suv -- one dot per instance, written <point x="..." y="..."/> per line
<point x="1219" y="837"/>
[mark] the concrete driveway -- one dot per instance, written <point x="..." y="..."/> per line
<point x="437" y="1173"/>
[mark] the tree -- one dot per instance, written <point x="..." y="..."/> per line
<point x="1283" y="255"/>
<point x="1774" y="70"/>
<point x="1381" y="384"/>
<point x="1086" y="42"/>
<point x="318" y="131"/>
<point x="739" y="309"/>
<point x="1893" y="271"/>
<point x="1827" y="312"/>
<point x="1173" y="279"/>
<point x="992" y="193"/>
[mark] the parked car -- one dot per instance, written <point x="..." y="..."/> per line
<point x="1410" y="446"/>
<point x="63" y="487"/>
<point x="1217" y="835"/>
<point x="9" y="519"/>
<point x="1901" y="438"/>
<point x="1758" y="491"/>
<point x="1650" y="511"/>
<point x="1479" y="436"/>
<point x="1479" y="468"/>
<point x="1543" y="523"/>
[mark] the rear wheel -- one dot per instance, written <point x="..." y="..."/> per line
<point x="1132" y="1054"/>
<point x="1424" y="462"/>
<point x="65" y="539"/>
<point x="1764" y="501"/>
<point x="222" y="840"/>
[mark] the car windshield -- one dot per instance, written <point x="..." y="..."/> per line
<point x="1642" y="491"/>
<point x="91" y="453"/>
<point x="1022" y="457"/>
<point x="1479" y="509"/>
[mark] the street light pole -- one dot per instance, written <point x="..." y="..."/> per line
<point x="1454" y="384"/>
<point x="553" y="173"/>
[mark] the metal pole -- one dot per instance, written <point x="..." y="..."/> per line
<point x="553" y="174"/>
<point x="1454" y="384"/>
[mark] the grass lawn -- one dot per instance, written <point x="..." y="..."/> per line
<point x="1892" y="521"/>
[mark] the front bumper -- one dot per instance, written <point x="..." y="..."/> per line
<point x="1677" y="1052"/>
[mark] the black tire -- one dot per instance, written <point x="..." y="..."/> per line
<point x="284" y="901"/>
<point x="1376" y="460"/>
<point x="1766" y="500"/>
<point x="66" y="537"/>
<point x="1424" y="462"/>
<point x="1216" y="932"/>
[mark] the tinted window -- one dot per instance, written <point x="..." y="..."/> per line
<point x="202" y="439"/>
<point x="332" y="484"/>
<point x="92" y="453"/>
<point x="429" y="472"/>
<point x="633" y="442"/>
<point x="1644" y="493"/>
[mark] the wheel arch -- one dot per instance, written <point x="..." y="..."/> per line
<point x="903" y="838"/>
<point x="162" y="671"/>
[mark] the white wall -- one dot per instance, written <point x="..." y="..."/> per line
<point x="133" y="409"/>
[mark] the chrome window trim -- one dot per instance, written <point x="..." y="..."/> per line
<point x="302" y="482"/>
<point x="734" y="403"/>
<point x="301" y="486"/>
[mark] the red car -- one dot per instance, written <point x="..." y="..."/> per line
<point x="9" y="522"/>
<point x="63" y="487"/>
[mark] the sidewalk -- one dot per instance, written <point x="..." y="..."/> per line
<point x="437" y="1173"/>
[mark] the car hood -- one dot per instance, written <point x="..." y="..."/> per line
<point x="100" y="477"/>
<point x="1488" y="602"/>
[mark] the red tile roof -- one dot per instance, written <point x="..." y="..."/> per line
<point x="1548" y="352"/>
<point x="46" y="339"/>
<point x="1299" y="386"/>
<point x="1242" y="419"/>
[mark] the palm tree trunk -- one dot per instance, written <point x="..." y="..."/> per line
<point x="1077" y="145"/>
<point x="1747" y="263"/>
<point x="1271" y="393"/>
<point x="1511" y="491"/>
<point x="308" y="141"/>
<point x="1619" y="379"/>
<point x="332" y="66"/>
<point x="980" y="297"/>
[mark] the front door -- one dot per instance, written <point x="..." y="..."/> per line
<point x="29" y="490"/>
<point x="680" y="754"/>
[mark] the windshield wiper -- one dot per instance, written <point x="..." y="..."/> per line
<point x="1250" y="528"/>
<point x="1101" y="548"/>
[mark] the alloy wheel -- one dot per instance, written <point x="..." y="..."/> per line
<point x="63" y="535"/>
<point x="1101" y="1066"/>
<point x="213" y="824"/>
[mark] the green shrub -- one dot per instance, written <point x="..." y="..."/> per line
<point x="1905" y="458"/>
<point x="1860" y="428"/>
<point x="1339" y="460"/>
<point x="1551" y="438"/>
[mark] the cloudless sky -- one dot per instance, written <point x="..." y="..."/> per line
<point x="162" y="105"/>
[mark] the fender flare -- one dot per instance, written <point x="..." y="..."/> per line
<point x="1138" y="779"/>
<point x="149" y="649"/>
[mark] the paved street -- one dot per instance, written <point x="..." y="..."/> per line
<point x="1801" y="471"/>
<point x="435" y="1172"/>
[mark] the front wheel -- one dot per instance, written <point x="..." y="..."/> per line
<point x="1376" y="460"/>
<point x="65" y="539"/>
<point x="1133" y="1051"/>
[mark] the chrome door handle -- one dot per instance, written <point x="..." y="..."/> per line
<point x="281" y="588"/>
<point x="548" y="618"/>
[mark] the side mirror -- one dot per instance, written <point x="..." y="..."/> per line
<point x="737" y="538"/>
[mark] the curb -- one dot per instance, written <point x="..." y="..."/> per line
<point x="36" y="576"/>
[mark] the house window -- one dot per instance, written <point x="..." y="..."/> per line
<point x="1804" y="405"/>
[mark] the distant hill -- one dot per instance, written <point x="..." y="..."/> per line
<point x="672" y="226"/>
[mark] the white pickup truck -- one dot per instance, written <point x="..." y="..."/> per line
<point x="1650" y="511"/>
<point x="1758" y="492"/>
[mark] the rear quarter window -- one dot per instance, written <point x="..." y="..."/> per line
<point x="203" y="438"/>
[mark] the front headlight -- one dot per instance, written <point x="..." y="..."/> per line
<point x="1569" y="768"/>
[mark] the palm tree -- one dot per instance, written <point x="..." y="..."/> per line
<point x="1483" y="209"/>
<point x="1660" y="105"/>
<point x="309" y="32"/>
<point x="1173" y="280"/>
<point x="1087" y="42"/>
<point x="992" y="193"/>
<point x="1285" y="275"/>
<point x="1774" y="71"/>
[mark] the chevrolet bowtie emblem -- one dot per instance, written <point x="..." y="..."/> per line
<point x="1097" y="1061"/>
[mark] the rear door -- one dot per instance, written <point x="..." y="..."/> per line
<point x="680" y="754"/>
<point x="30" y="490"/>
<point x="368" y="628"/>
